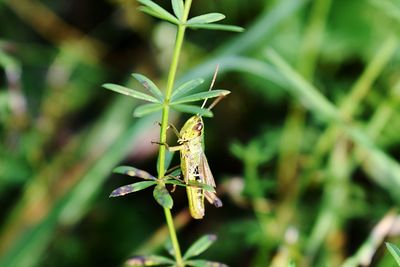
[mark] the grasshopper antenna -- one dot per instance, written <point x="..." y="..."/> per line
<point x="219" y="98"/>
<point x="215" y="102"/>
<point x="211" y="86"/>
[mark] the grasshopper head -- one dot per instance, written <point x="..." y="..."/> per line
<point x="193" y="128"/>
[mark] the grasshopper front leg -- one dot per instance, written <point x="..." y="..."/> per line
<point x="170" y="148"/>
<point x="176" y="132"/>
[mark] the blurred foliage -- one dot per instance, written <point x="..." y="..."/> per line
<point x="305" y="149"/>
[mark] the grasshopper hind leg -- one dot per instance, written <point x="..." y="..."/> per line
<point x="196" y="202"/>
<point x="213" y="199"/>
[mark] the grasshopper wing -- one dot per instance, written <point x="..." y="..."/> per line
<point x="213" y="199"/>
<point x="205" y="171"/>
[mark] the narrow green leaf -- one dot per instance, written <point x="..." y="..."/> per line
<point x="157" y="11"/>
<point x="168" y="158"/>
<point x="192" y="109"/>
<point x="395" y="251"/>
<point x="205" y="263"/>
<point x="134" y="172"/>
<point x="130" y="188"/>
<point x="206" y="18"/>
<point x="130" y="92"/>
<point x="201" y="96"/>
<point x="147" y="109"/>
<point x="201" y="245"/>
<point x="175" y="182"/>
<point x="149" y="85"/>
<point x="201" y="185"/>
<point x="169" y="248"/>
<point x="162" y="196"/>
<point x="152" y="260"/>
<point x="186" y="88"/>
<point x="175" y="173"/>
<point x="215" y="26"/>
<point x="177" y="6"/>
<point x="151" y="12"/>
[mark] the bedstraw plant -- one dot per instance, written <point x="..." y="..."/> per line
<point x="178" y="98"/>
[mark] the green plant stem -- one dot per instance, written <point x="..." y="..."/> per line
<point x="164" y="125"/>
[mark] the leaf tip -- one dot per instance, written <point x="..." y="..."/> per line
<point x="162" y="196"/>
<point x="113" y="194"/>
<point x="136" y="114"/>
<point x="225" y="92"/>
<point x="212" y="237"/>
<point x="122" y="170"/>
<point x="240" y="29"/>
<point x="106" y="85"/>
<point x="208" y="113"/>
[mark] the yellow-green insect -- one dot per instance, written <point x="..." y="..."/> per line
<point x="194" y="165"/>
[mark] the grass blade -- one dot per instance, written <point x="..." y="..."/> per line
<point x="367" y="251"/>
<point x="383" y="169"/>
<point x="71" y="207"/>
<point x="254" y="37"/>
<point x="308" y="95"/>
<point x="395" y="251"/>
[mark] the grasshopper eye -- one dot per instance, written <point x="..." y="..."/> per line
<point x="198" y="127"/>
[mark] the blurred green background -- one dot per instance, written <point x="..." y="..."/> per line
<point x="304" y="151"/>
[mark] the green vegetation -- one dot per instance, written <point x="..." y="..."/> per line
<point x="304" y="151"/>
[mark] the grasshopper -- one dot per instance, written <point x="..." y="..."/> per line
<point x="194" y="165"/>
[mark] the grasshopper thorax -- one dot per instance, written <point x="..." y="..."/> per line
<point x="193" y="128"/>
